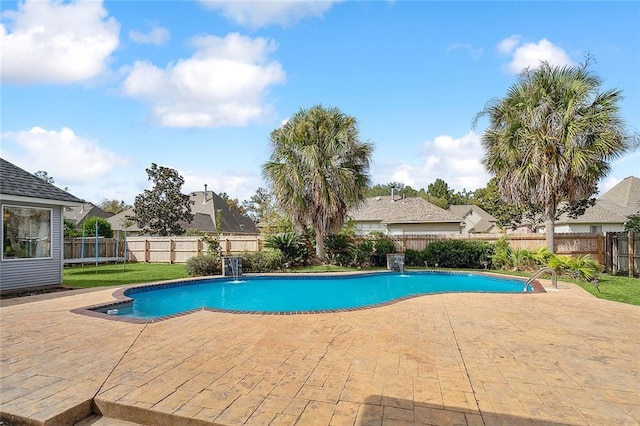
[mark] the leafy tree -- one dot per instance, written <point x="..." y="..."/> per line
<point x="490" y="199"/>
<point x="551" y="138"/>
<point x="399" y="189"/>
<point x="70" y="230"/>
<point x="462" y="197"/>
<point x="104" y="227"/>
<point x="632" y="223"/>
<point x="260" y="205"/>
<point x="262" y="209"/>
<point x="161" y="209"/>
<point x="440" y="189"/>
<point x="233" y="202"/>
<point x="318" y="169"/>
<point x="44" y="176"/>
<point x="113" y="206"/>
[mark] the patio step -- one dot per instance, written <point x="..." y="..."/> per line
<point x="97" y="420"/>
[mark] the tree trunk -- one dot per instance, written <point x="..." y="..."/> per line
<point x="319" y="246"/>
<point x="549" y="227"/>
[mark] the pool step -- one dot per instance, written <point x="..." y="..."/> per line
<point x="97" y="420"/>
<point x="130" y="415"/>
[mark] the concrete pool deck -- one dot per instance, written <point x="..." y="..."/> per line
<point x="557" y="358"/>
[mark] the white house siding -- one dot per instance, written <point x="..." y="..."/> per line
<point x="367" y="227"/>
<point x="423" y="228"/>
<point x="586" y="227"/>
<point x="14" y="273"/>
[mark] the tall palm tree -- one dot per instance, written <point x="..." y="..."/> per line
<point x="551" y="138"/>
<point x="318" y="169"/>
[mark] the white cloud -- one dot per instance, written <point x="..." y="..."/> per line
<point x="261" y="13"/>
<point x="56" y="42"/>
<point x="236" y="183"/>
<point x="475" y="52"/>
<point x="507" y="45"/>
<point x="157" y="35"/>
<point x="455" y="160"/>
<point x="222" y="84"/>
<point x="69" y="158"/>
<point x="530" y="55"/>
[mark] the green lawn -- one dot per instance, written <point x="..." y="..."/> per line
<point x="119" y="274"/>
<point x="617" y="288"/>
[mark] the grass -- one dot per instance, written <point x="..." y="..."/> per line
<point x="119" y="274"/>
<point x="616" y="288"/>
<point x="612" y="287"/>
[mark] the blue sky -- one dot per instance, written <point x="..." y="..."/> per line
<point x="94" y="92"/>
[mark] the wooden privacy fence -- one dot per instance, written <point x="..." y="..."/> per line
<point x="78" y="248"/>
<point x="622" y="253"/>
<point x="180" y="249"/>
<point x="566" y="244"/>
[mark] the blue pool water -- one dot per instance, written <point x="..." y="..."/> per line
<point x="297" y="293"/>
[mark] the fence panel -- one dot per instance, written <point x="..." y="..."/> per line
<point x="180" y="249"/>
<point x="623" y="253"/>
<point x="76" y="248"/>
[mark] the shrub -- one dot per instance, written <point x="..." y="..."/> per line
<point x="292" y="247"/>
<point x="339" y="249"/>
<point x="263" y="261"/>
<point x="415" y="257"/>
<point x="104" y="227"/>
<point x="204" y="265"/>
<point x="581" y="267"/>
<point x="383" y="246"/>
<point x="363" y="254"/>
<point x="501" y="258"/>
<point x="459" y="254"/>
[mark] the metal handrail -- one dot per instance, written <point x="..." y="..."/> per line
<point x="554" y="277"/>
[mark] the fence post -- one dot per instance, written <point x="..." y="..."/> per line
<point x="227" y="246"/>
<point x="600" y="249"/>
<point x="630" y="253"/>
<point x="171" y="253"/>
<point x="146" y="251"/>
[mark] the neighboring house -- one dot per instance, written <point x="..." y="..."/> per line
<point x="204" y="207"/>
<point x="476" y="220"/>
<point x="78" y="214"/>
<point x="609" y="213"/>
<point x="400" y="216"/>
<point x="32" y="229"/>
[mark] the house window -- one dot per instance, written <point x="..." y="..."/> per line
<point x="595" y="229"/>
<point x="26" y="232"/>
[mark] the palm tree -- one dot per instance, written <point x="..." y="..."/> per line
<point x="318" y="169"/>
<point x="551" y="138"/>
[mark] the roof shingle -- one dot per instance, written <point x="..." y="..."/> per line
<point x="402" y="210"/>
<point x="20" y="183"/>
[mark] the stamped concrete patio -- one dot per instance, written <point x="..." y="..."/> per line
<point x="557" y="358"/>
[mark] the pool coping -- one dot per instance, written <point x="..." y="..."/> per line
<point x="121" y="298"/>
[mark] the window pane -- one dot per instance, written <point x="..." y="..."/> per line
<point x="26" y="232"/>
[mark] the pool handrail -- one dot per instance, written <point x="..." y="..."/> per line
<point x="554" y="277"/>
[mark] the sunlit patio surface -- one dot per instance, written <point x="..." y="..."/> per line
<point x="556" y="358"/>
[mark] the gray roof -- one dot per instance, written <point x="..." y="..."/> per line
<point x="17" y="182"/>
<point x="203" y="211"/>
<point x="613" y="206"/>
<point x="486" y="221"/>
<point x="402" y="210"/>
<point x="77" y="214"/>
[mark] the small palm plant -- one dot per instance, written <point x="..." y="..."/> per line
<point x="291" y="246"/>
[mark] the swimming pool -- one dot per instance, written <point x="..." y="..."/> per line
<point x="299" y="294"/>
